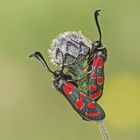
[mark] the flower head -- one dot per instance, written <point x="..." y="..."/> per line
<point x="69" y="48"/>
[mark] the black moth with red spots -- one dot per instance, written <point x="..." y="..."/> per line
<point x="87" y="108"/>
<point x="84" y="104"/>
<point x="96" y="59"/>
<point x="96" y="76"/>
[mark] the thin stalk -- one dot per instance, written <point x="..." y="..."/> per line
<point x="103" y="130"/>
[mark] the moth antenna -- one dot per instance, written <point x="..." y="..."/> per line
<point x="40" y="57"/>
<point x="96" y="14"/>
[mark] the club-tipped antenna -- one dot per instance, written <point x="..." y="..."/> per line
<point x="40" y="57"/>
<point x="96" y="14"/>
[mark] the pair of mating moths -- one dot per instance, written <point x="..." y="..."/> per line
<point x="71" y="49"/>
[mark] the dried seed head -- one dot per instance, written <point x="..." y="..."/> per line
<point x="70" y="48"/>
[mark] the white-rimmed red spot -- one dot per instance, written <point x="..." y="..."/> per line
<point x="70" y="85"/>
<point x="91" y="105"/>
<point x="92" y="88"/>
<point x="93" y="114"/>
<point x="94" y="75"/>
<point x="82" y="95"/>
<point x="96" y="95"/>
<point x="99" y="80"/>
<point x="79" y="104"/>
<point x="98" y="61"/>
<point x="68" y="88"/>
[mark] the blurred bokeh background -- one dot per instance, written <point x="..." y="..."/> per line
<point x="30" y="109"/>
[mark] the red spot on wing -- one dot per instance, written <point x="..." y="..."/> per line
<point x="100" y="80"/>
<point x="68" y="88"/>
<point x="82" y="95"/>
<point x="92" y="88"/>
<point x="91" y="105"/>
<point x="96" y="95"/>
<point x="79" y="104"/>
<point x="93" y="114"/>
<point x="98" y="61"/>
<point x="94" y="75"/>
<point x="70" y="85"/>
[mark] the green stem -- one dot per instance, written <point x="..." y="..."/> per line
<point x="103" y="130"/>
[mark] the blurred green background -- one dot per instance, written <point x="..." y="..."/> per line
<point x="30" y="109"/>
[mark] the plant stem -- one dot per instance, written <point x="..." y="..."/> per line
<point x="103" y="130"/>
